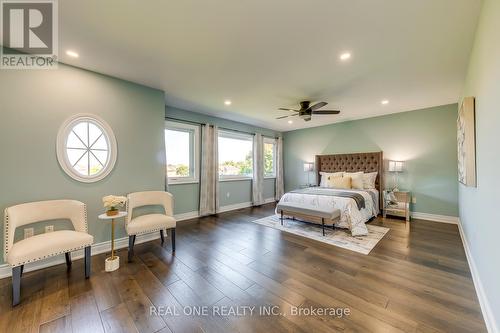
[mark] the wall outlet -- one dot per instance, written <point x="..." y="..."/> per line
<point x="49" y="228"/>
<point x="29" y="232"/>
<point x="228" y="194"/>
<point x="413" y="199"/>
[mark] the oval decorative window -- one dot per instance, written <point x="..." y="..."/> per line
<point x="86" y="148"/>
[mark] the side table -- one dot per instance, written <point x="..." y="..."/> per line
<point x="112" y="263"/>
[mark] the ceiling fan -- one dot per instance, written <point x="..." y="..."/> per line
<point x="306" y="110"/>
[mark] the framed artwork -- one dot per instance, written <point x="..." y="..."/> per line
<point x="466" y="140"/>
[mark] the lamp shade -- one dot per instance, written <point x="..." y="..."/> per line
<point x="396" y="166"/>
<point x="308" y="167"/>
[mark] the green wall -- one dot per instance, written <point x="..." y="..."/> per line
<point x="479" y="214"/>
<point x="34" y="104"/>
<point x="425" y="139"/>
<point x="230" y="192"/>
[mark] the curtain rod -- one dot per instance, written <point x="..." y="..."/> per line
<point x="223" y="128"/>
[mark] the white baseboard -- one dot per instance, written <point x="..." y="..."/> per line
<point x="187" y="216"/>
<point x="97" y="248"/>
<point x="269" y="200"/>
<point x="5" y="269"/>
<point x="228" y="208"/>
<point x="435" y="217"/>
<point x="489" y="319"/>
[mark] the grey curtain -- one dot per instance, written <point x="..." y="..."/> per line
<point x="280" y="188"/>
<point x="209" y="178"/>
<point x="258" y="170"/>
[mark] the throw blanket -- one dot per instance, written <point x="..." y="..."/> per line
<point x="358" y="198"/>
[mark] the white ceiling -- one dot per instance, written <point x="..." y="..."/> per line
<point x="268" y="54"/>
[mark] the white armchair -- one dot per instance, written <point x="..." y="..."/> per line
<point x="149" y="222"/>
<point x="45" y="245"/>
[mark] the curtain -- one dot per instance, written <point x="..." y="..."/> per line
<point x="280" y="188"/>
<point x="258" y="170"/>
<point x="209" y="178"/>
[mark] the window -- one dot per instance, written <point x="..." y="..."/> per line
<point x="269" y="158"/>
<point x="86" y="148"/>
<point x="235" y="155"/>
<point x="181" y="145"/>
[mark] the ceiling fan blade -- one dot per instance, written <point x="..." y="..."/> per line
<point x="285" y="109"/>
<point x="326" y="112"/>
<point x="317" y="106"/>
<point x="292" y="115"/>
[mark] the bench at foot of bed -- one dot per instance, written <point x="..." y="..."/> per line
<point x="323" y="216"/>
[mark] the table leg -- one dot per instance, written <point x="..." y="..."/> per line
<point x="112" y="239"/>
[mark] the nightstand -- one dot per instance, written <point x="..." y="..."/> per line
<point x="400" y="206"/>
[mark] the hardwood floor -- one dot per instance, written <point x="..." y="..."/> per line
<point x="413" y="281"/>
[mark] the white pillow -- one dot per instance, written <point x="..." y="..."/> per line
<point x="325" y="175"/>
<point x="339" y="182"/>
<point x="356" y="179"/>
<point x="369" y="180"/>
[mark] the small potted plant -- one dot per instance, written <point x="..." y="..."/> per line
<point x="112" y="202"/>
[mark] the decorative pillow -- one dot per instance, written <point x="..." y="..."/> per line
<point x="339" y="182"/>
<point x="369" y="180"/>
<point x="357" y="182"/>
<point x="325" y="175"/>
<point x="356" y="179"/>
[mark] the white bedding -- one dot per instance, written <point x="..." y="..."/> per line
<point x="351" y="217"/>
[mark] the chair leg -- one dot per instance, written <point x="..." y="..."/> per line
<point x="87" y="262"/>
<point x="16" y="284"/>
<point x="281" y="218"/>
<point x="22" y="270"/>
<point x="162" y="236"/>
<point x="131" y="241"/>
<point x="172" y="235"/>
<point x="323" y="223"/>
<point x="68" y="259"/>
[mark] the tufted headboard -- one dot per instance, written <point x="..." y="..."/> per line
<point x="367" y="162"/>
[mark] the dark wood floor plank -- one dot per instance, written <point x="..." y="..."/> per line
<point x="416" y="279"/>
<point x="117" y="320"/>
<point x="59" y="325"/>
<point x="85" y="314"/>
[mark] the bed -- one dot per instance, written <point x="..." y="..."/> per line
<point x="353" y="215"/>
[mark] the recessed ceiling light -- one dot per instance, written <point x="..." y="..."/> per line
<point x="227" y="102"/>
<point x="72" y="54"/>
<point x="290" y="121"/>
<point x="345" y="56"/>
<point x="384" y="102"/>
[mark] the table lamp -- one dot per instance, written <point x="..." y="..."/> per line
<point x="396" y="167"/>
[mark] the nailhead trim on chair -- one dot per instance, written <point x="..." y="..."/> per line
<point x="6" y="239"/>
<point x="5" y="236"/>
<point x="149" y="231"/>
<point x="51" y="255"/>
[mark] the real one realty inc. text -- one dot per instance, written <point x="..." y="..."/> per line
<point x="246" y="310"/>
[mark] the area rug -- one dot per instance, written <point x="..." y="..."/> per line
<point x="338" y="237"/>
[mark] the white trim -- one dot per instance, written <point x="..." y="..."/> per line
<point x="228" y="208"/>
<point x="241" y="205"/>
<point x="486" y="310"/>
<point x="6" y="271"/>
<point x="183" y="182"/>
<point x="97" y="248"/>
<point x="194" y="169"/>
<point x="186" y="216"/>
<point x="269" y="200"/>
<point x="435" y="217"/>
<point x="233" y="178"/>
<point x="61" y="148"/>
